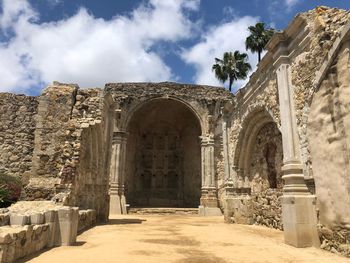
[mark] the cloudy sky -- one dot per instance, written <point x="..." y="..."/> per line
<point x="93" y="42"/>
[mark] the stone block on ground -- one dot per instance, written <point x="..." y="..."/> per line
<point x="37" y="219"/>
<point x="51" y="218"/>
<point x="19" y="220"/>
<point x="68" y="223"/>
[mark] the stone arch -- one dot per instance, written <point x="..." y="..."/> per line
<point x="163" y="154"/>
<point x="134" y="108"/>
<point x="253" y="121"/>
<point x="258" y="164"/>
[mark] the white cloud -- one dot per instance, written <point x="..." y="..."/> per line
<point x="228" y="36"/>
<point x="291" y="3"/>
<point x="87" y="50"/>
<point x="13" y="11"/>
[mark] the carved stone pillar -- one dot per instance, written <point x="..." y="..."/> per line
<point x="225" y="141"/>
<point x="117" y="173"/>
<point x="209" y="200"/>
<point x="298" y="205"/>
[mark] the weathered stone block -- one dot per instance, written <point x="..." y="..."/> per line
<point x="19" y="220"/>
<point x="5" y="238"/>
<point x="299" y="221"/>
<point x="37" y="219"/>
<point x="4" y="219"/>
<point x="68" y="223"/>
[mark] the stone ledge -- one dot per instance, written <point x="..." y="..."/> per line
<point x="29" y="227"/>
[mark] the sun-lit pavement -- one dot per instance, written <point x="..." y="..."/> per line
<point x="179" y="239"/>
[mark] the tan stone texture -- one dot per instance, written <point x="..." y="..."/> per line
<point x="329" y="142"/>
<point x="17" y="118"/>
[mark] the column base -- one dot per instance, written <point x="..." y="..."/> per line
<point x="209" y="198"/>
<point x="298" y="208"/>
<point x="209" y="211"/>
<point x="123" y="205"/>
<point x="300" y="221"/>
<point x="114" y="205"/>
<point x="209" y="203"/>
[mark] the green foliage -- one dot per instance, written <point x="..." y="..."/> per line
<point x="231" y="67"/>
<point x="10" y="189"/>
<point x="258" y="38"/>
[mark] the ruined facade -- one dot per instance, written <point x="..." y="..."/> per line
<point x="275" y="153"/>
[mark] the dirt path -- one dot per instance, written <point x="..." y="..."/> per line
<point x="189" y="239"/>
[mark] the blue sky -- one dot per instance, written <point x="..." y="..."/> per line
<point x="91" y="42"/>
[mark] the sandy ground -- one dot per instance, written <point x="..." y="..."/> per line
<point x="180" y="239"/>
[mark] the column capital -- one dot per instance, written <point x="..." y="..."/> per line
<point x="207" y="140"/>
<point x="282" y="61"/>
<point x="119" y="137"/>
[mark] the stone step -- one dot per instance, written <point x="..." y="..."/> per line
<point x="163" y="211"/>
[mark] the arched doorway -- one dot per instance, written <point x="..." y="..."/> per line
<point x="163" y="156"/>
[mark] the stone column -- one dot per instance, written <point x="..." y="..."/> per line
<point x="229" y="171"/>
<point x="298" y="205"/>
<point x="209" y="200"/>
<point x="226" y="151"/>
<point x="117" y="171"/>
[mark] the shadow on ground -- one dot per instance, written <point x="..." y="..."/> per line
<point x="32" y="256"/>
<point x="125" y="221"/>
<point x="37" y="254"/>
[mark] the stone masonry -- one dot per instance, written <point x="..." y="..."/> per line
<point x="17" y="117"/>
<point x="276" y="153"/>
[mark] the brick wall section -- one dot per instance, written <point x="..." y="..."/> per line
<point x="17" y="132"/>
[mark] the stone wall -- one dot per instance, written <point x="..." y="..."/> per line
<point x="17" y="127"/>
<point x="17" y="242"/>
<point x="325" y="26"/>
<point x="267" y="208"/>
<point x="72" y="136"/>
<point x="328" y="126"/>
<point x="266" y="160"/>
<point x="87" y="219"/>
<point x="321" y="117"/>
<point x="336" y="240"/>
<point x="257" y="198"/>
<point x="265" y="177"/>
<point x="53" y="122"/>
<point x="28" y="227"/>
<point x="84" y="180"/>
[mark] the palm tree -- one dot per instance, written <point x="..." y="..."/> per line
<point x="231" y="67"/>
<point x="259" y="36"/>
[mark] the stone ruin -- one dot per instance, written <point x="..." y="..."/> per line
<point x="275" y="153"/>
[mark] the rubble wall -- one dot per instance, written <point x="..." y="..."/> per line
<point x="325" y="26"/>
<point x="53" y="121"/>
<point x="17" y="118"/>
<point x="70" y="163"/>
<point x="265" y="167"/>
